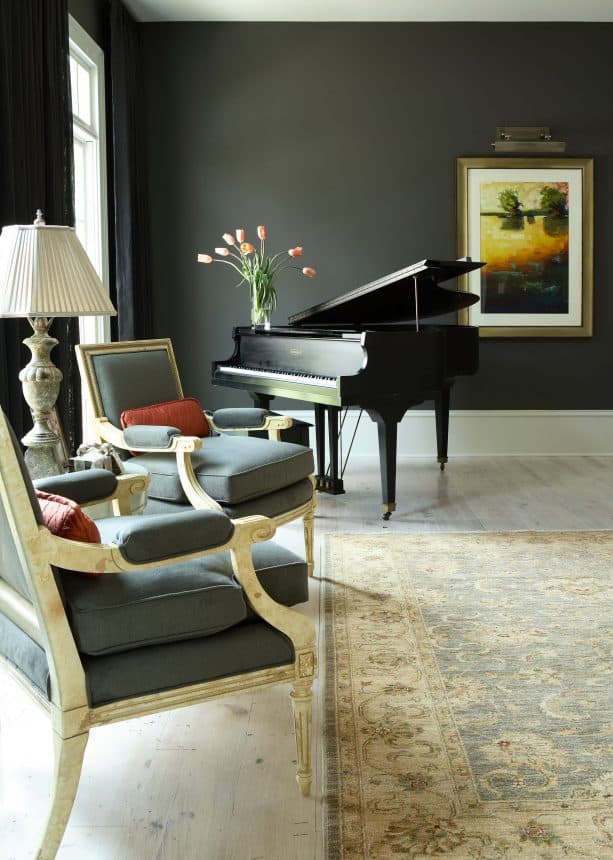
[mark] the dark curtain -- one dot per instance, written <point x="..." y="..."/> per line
<point x="36" y="171"/>
<point x="129" y="204"/>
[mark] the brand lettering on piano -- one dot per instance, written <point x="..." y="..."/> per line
<point x="295" y="351"/>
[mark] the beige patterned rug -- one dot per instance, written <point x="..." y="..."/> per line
<point x="468" y="694"/>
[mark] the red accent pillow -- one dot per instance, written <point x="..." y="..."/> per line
<point x="64" y="518"/>
<point x="186" y="414"/>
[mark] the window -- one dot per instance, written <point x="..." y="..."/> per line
<point x="87" y="84"/>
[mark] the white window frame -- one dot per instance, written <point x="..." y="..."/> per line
<point x="88" y="53"/>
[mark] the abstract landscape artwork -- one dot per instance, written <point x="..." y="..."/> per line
<point x="530" y="222"/>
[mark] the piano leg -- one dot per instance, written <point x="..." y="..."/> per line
<point x="334" y="484"/>
<point x="441" y="412"/>
<point x="260" y="401"/>
<point x="320" y="445"/>
<point x="387" y="429"/>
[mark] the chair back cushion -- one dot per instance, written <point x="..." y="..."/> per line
<point x="185" y="413"/>
<point x="127" y="380"/>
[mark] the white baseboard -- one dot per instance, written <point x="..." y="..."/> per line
<point x="486" y="432"/>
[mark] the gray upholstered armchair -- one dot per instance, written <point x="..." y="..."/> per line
<point x="183" y="608"/>
<point x="239" y="474"/>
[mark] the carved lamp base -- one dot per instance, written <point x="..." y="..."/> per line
<point x="40" y="380"/>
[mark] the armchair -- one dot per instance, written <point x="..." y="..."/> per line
<point x="177" y="614"/>
<point x="240" y="475"/>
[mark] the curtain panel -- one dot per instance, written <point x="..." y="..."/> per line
<point x="128" y="172"/>
<point x="36" y="171"/>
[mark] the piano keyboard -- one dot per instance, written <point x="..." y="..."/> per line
<point x="283" y="375"/>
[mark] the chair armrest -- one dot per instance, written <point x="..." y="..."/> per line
<point x="94" y="486"/>
<point x="145" y="539"/>
<point x="108" y="557"/>
<point x="150" y="436"/>
<point x="245" y="418"/>
<point x="178" y="444"/>
<point x="83" y="488"/>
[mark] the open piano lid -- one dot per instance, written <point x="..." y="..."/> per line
<point x="390" y="300"/>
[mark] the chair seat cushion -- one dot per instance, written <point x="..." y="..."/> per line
<point x="24" y="654"/>
<point x="196" y="598"/>
<point x="248" y="647"/>
<point x="128" y="610"/>
<point x="271" y="505"/>
<point x="232" y="469"/>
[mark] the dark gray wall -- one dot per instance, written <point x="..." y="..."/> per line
<point x="90" y="15"/>
<point x="343" y="138"/>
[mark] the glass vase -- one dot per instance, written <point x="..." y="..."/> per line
<point x="260" y="315"/>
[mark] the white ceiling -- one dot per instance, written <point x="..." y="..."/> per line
<point x="371" y="10"/>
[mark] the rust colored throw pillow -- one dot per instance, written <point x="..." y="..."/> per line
<point x="186" y="414"/>
<point x="64" y="518"/>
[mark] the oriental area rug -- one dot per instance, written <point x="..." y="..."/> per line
<point x="468" y="695"/>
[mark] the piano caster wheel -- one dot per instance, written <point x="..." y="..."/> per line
<point x="387" y="515"/>
<point x="441" y="463"/>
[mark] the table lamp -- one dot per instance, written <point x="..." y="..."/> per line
<point x="45" y="273"/>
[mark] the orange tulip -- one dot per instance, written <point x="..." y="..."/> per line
<point x="205" y="258"/>
<point x="229" y="238"/>
<point x="309" y="272"/>
<point x="223" y="252"/>
<point x="295" y="252"/>
<point x="262" y="234"/>
<point x="247" y="248"/>
<point x="240" y="234"/>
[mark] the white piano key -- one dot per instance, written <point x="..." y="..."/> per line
<point x="302" y="378"/>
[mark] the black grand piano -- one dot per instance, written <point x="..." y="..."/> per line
<point x="365" y="348"/>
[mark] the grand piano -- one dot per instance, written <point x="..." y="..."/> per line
<point x="366" y="348"/>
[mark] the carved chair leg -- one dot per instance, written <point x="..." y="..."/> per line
<point x="69" y="754"/>
<point x="309" y="537"/>
<point x="302" y="704"/>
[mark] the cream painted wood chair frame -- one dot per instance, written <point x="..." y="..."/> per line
<point x="44" y="620"/>
<point x="183" y="446"/>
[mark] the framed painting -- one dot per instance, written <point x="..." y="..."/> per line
<point x="530" y="221"/>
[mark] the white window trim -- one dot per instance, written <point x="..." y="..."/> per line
<point x="97" y="329"/>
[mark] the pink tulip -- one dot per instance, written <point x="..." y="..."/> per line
<point x="309" y="272"/>
<point x="247" y="248"/>
<point x="223" y="252"/>
<point x="229" y="238"/>
<point x="205" y="258"/>
<point x="262" y="234"/>
<point x="240" y="234"/>
<point x="295" y="252"/>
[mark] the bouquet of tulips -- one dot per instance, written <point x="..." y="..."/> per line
<point x="256" y="268"/>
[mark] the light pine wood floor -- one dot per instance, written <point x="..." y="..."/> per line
<point x="216" y="781"/>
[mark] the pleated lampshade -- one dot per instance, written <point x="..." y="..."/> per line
<point x="45" y="272"/>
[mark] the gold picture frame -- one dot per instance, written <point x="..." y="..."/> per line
<point x="534" y="218"/>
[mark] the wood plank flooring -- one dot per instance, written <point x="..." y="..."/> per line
<point x="216" y="781"/>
